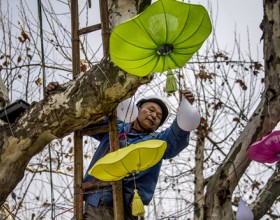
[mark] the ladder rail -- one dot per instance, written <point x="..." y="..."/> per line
<point x="79" y="186"/>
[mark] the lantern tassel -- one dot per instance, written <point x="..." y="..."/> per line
<point x="171" y="84"/>
<point x="137" y="204"/>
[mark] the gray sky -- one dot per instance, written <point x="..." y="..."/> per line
<point x="240" y="16"/>
<point x="229" y="16"/>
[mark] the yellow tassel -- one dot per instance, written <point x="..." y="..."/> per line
<point x="137" y="204"/>
<point x="171" y="84"/>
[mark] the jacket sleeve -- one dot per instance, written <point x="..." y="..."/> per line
<point x="176" y="138"/>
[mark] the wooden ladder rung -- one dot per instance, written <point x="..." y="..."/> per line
<point x="94" y="130"/>
<point x="89" y="29"/>
<point x="90" y="185"/>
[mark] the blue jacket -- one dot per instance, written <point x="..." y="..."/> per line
<point x="176" y="138"/>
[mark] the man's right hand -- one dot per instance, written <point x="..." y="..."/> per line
<point x="52" y="86"/>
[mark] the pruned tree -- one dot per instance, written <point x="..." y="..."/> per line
<point x="218" y="203"/>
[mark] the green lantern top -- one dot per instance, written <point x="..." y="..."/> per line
<point x="164" y="36"/>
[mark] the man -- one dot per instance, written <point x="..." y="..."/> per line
<point x="152" y="113"/>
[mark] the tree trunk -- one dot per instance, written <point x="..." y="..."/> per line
<point x="268" y="195"/>
<point x="264" y="119"/>
<point x="198" y="173"/>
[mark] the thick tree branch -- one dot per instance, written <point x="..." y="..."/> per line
<point x="78" y="104"/>
<point x="268" y="195"/>
<point x="264" y="119"/>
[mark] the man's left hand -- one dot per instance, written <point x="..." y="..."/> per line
<point x="188" y="95"/>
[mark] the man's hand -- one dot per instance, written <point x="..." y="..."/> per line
<point x="188" y="95"/>
<point x="52" y="86"/>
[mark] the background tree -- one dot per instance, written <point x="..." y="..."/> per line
<point x="227" y="90"/>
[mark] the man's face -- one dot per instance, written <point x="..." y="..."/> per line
<point x="149" y="115"/>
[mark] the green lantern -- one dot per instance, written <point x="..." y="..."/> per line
<point x="164" y="36"/>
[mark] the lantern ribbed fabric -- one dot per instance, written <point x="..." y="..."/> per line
<point x="131" y="159"/>
<point x="267" y="150"/>
<point x="164" y="36"/>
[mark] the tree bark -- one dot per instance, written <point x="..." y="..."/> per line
<point x="198" y="175"/>
<point x="264" y="119"/>
<point x="268" y="195"/>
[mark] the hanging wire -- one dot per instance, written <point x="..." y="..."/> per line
<point x="42" y="45"/>
<point x="44" y="93"/>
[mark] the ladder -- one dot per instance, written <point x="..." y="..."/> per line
<point x="112" y="125"/>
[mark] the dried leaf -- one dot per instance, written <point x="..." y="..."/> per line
<point x="83" y="66"/>
<point x="236" y="119"/>
<point x="257" y="66"/>
<point x="19" y="59"/>
<point x="203" y="75"/>
<point x="218" y="105"/>
<point x="6" y="63"/>
<point x="241" y="83"/>
<point x="71" y="150"/>
<point x="21" y="39"/>
<point x="39" y="81"/>
<point x="255" y="185"/>
<point x="69" y="139"/>
<point x="25" y="35"/>
<point x="69" y="168"/>
<point x="29" y="56"/>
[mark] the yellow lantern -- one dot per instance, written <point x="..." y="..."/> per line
<point x="131" y="159"/>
